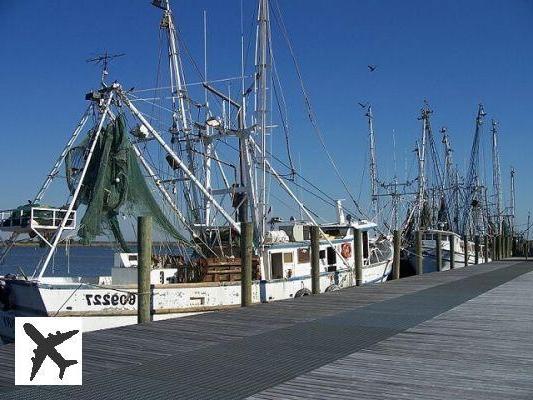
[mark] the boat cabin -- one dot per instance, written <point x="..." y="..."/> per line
<point x="289" y="257"/>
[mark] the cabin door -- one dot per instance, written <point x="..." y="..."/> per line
<point x="276" y="261"/>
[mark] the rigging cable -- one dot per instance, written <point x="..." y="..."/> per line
<point x="310" y="111"/>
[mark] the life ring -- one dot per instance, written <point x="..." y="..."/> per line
<point x="346" y="250"/>
<point x="332" y="288"/>
<point x="303" y="292"/>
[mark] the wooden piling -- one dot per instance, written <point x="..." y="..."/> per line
<point x="451" y="238"/>
<point x="476" y="249"/>
<point x="465" y="243"/>
<point x="419" y="255"/>
<point x="486" y="248"/>
<point x="504" y="246"/>
<point x="397" y="248"/>
<point x="315" y="259"/>
<point x="247" y="234"/>
<point x="144" y="267"/>
<point x="358" y="256"/>
<point x="438" y="248"/>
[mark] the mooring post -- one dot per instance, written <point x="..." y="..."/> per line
<point x="358" y="256"/>
<point x="486" y="248"/>
<point x="476" y="249"/>
<point x="438" y="248"/>
<point x="315" y="259"/>
<point x="507" y="246"/>
<point x="397" y="248"/>
<point x="504" y="247"/>
<point x="144" y="267"/>
<point x="247" y="234"/>
<point x="451" y="238"/>
<point x="465" y="243"/>
<point x="419" y="256"/>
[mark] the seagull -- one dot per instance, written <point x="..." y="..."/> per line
<point x="372" y="67"/>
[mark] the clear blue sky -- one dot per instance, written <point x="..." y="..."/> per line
<point x="455" y="54"/>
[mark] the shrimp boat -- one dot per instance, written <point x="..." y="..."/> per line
<point x="200" y="179"/>
<point x="438" y="206"/>
<point x="429" y="251"/>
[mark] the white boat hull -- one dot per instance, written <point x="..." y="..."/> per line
<point x="430" y="260"/>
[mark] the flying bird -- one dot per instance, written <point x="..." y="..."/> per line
<point x="372" y="67"/>
<point x="363" y="105"/>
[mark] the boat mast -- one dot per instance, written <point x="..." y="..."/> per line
<point x="208" y="145"/>
<point x="448" y="162"/>
<point x="421" y="151"/>
<point x="261" y="80"/>
<point x="373" y="164"/>
<point x="473" y="192"/>
<point x="512" y="203"/>
<point x="450" y="177"/>
<point x="496" y="177"/>
<point x="182" y="121"/>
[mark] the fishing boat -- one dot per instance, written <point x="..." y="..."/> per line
<point x="122" y="162"/>
<point x="430" y="252"/>
<point x="443" y="206"/>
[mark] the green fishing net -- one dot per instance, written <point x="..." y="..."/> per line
<point x="113" y="183"/>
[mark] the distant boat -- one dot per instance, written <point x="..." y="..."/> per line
<point x="429" y="251"/>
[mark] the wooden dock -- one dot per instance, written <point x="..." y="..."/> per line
<point x="465" y="333"/>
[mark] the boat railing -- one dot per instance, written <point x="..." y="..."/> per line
<point x="32" y="218"/>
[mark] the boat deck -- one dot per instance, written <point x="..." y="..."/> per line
<point x="464" y="333"/>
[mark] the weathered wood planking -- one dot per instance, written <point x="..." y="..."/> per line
<point x="195" y="357"/>
<point x="482" y="349"/>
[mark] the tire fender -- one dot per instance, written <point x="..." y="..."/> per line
<point x="303" y="292"/>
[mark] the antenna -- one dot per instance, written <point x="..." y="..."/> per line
<point x="103" y="60"/>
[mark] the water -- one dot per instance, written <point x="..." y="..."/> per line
<point x="79" y="261"/>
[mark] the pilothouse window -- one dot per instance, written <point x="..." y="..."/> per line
<point x="287" y="258"/>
